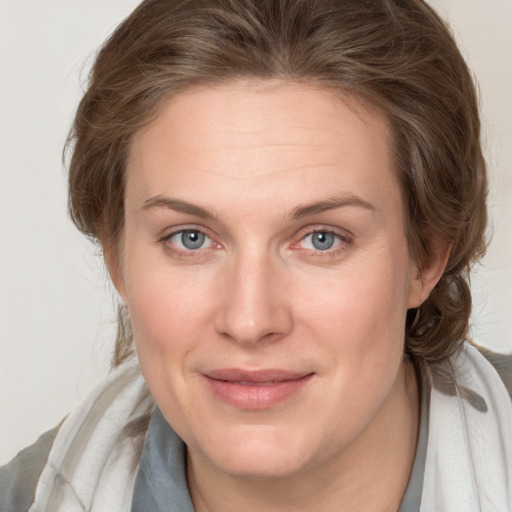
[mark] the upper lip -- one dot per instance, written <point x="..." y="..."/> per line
<point x="256" y="376"/>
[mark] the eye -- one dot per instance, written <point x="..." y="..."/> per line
<point x="321" y="240"/>
<point x="190" y="240"/>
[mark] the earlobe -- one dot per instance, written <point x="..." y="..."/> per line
<point x="112" y="261"/>
<point x="424" y="278"/>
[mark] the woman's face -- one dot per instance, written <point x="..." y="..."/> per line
<point x="266" y="271"/>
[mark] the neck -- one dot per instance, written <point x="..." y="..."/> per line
<point x="370" y="475"/>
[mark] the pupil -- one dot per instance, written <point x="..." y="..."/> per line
<point x="323" y="241"/>
<point x="192" y="239"/>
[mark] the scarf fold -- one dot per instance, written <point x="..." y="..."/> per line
<point x="469" y="454"/>
<point x="94" y="460"/>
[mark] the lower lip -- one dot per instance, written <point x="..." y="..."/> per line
<point x="262" y="396"/>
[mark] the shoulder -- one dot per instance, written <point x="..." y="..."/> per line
<point x="18" y="479"/>
<point x="502" y="364"/>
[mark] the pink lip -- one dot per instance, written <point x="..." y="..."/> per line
<point x="260" y="389"/>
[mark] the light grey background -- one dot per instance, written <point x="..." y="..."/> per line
<point x="56" y="315"/>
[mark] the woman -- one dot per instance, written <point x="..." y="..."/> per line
<point x="289" y="196"/>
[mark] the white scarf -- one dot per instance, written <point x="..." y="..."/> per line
<point x="469" y="453"/>
<point x="93" y="462"/>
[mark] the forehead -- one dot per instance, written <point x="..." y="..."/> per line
<point x="244" y="108"/>
<point x="258" y="137"/>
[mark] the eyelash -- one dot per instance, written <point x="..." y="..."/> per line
<point x="183" y="253"/>
<point x="344" y="241"/>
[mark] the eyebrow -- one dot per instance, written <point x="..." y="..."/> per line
<point x="178" y="206"/>
<point x="331" y="204"/>
<point x="297" y="213"/>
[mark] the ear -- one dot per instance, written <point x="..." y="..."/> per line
<point x="112" y="257"/>
<point x="423" y="278"/>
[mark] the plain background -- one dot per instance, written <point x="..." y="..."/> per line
<point x="56" y="306"/>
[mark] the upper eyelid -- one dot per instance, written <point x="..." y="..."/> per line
<point x="335" y="233"/>
<point x="345" y="239"/>
<point x="167" y="234"/>
<point x="184" y="252"/>
<point x="308" y="230"/>
<point x="342" y="238"/>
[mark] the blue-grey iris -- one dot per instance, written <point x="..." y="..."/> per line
<point x="322" y="240"/>
<point x="192" y="239"/>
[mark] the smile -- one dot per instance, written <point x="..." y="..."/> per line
<point x="253" y="390"/>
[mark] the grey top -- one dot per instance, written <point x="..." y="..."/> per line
<point x="18" y="480"/>
<point x="161" y="483"/>
<point x="412" y="498"/>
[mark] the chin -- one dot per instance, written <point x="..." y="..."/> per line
<point x="260" y="452"/>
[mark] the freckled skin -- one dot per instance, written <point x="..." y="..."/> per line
<point x="258" y="294"/>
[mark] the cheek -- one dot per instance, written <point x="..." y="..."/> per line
<point x="168" y="309"/>
<point x="361" y="310"/>
<point x="168" y="319"/>
<point x="365" y="331"/>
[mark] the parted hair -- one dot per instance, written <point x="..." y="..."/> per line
<point x="396" y="54"/>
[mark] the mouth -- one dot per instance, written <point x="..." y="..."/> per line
<point x="253" y="390"/>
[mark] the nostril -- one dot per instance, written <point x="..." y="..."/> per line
<point x="253" y="308"/>
<point x="264" y="329"/>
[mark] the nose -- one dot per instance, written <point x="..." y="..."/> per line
<point x="254" y="305"/>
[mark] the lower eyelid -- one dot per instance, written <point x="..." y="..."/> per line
<point x="178" y="249"/>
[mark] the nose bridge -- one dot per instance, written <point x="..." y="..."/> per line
<point x="254" y="306"/>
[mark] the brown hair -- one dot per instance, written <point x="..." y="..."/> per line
<point x="397" y="54"/>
